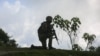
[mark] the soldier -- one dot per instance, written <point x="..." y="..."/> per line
<point x="45" y="32"/>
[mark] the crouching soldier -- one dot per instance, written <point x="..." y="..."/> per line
<point x="45" y="32"/>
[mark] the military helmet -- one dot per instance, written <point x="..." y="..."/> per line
<point x="49" y="19"/>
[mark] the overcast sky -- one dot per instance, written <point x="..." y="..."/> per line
<point x="22" y="18"/>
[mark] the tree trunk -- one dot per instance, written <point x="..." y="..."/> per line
<point x="70" y="40"/>
<point x="87" y="46"/>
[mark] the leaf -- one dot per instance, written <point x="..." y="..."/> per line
<point x="57" y="26"/>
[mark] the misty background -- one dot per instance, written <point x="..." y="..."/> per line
<point x="21" y="19"/>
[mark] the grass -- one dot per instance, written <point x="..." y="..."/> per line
<point x="37" y="52"/>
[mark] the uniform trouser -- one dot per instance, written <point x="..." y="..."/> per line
<point x="43" y="41"/>
<point x="50" y="42"/>
<point x="44" y="44"/>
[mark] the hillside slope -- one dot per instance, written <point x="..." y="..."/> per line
<point x="47" y="53"/>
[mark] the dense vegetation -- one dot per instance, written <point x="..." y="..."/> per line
<point x="71" y="28"/>
<point x="5" y="40"/>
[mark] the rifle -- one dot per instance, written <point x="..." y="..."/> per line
<point x="55" y="36"/>
<point x="54" y="33"/>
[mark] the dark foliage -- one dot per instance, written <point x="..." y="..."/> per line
<point x="98" y="49"/>
<point x="5" y="40"/>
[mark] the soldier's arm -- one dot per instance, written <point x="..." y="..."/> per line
<point x="44" y="26"/>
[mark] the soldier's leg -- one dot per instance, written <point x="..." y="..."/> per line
<point x="44" y="44"/>
<point x="42" y="39"/>
<point x="50" y="43"/>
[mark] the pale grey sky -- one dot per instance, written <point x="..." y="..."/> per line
<point x="21" y="19"/>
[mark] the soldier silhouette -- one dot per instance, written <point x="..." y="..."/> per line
<point x="45" y="32"/>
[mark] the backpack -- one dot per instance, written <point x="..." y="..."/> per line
<point x="43" y="28"/>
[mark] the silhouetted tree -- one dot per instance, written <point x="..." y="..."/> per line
<point x="92" y="48"/>
<point x="70" y="27"/>
<point x="5" y="39"/>
<point x="12" y="43"/>
<point x="89" y="39"/>
<point x="98" y="49"/>
<point x="76" y="47"/>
